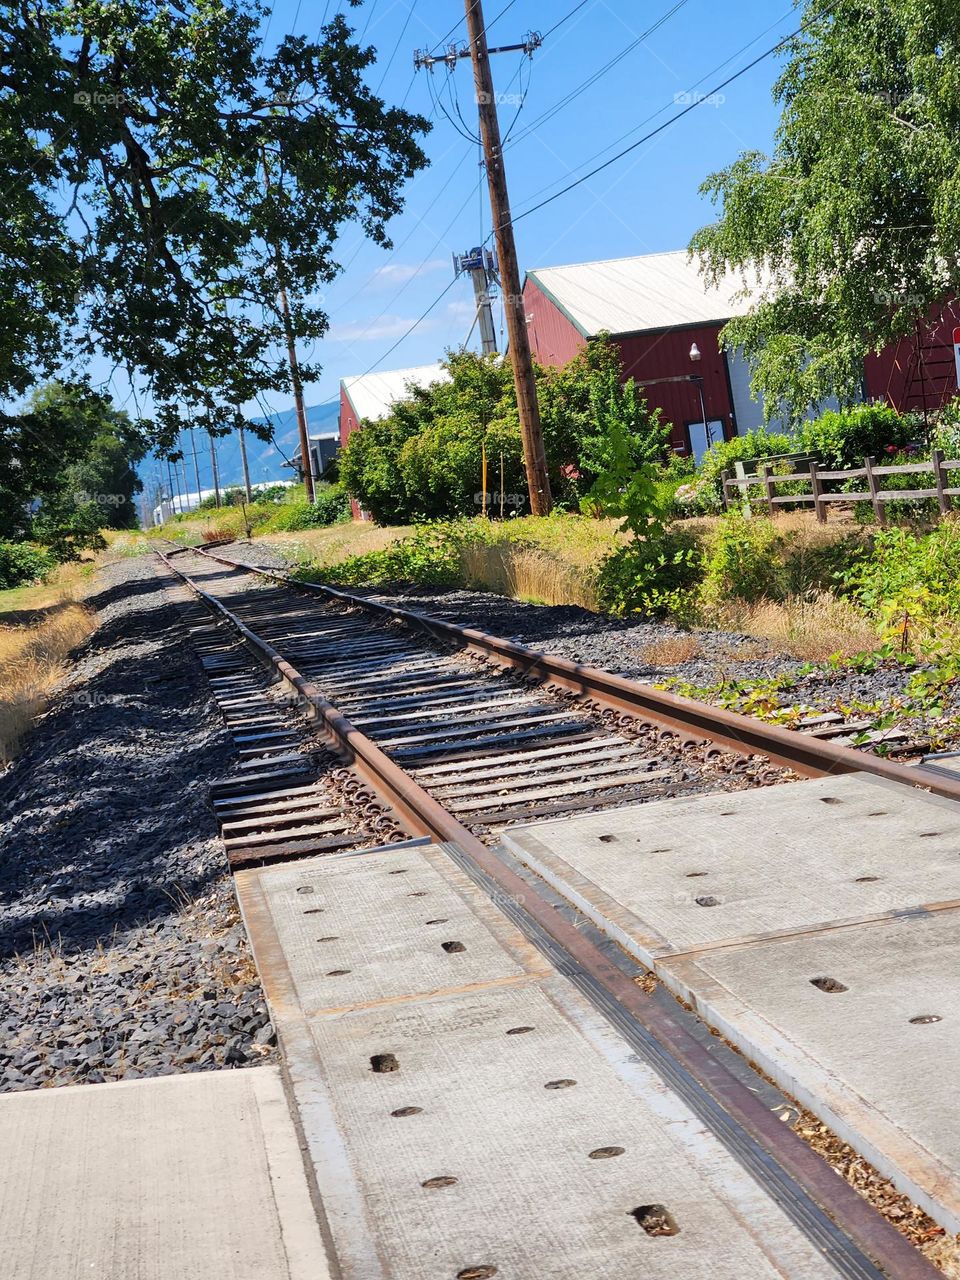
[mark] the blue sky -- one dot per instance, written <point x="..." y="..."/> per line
<point x="645" y="203"/>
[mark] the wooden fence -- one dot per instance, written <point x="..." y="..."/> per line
<point x="815" y="478"/>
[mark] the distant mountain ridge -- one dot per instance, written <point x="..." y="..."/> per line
<point x="266" y="459"/>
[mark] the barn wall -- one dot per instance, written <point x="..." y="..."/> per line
<point x="893" y="376"/>
<point x="349" y="424"/>
<point x="666" y="355"/>
<point x="554" y="339"/>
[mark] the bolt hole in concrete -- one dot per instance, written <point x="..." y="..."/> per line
<point x="441" y="920"/>
<point x="560" y="1084"/>
<point x="830" y="800"/>
<point x="402" y="871"/>
<point x="866" y="879"/>
<point x="661" y="851"/>
<point x="708" y="900"/>
<point x="406" y="1111"/>
<point x="878" y="813"/>
<point x="452" y="948"/>
<point x="337" y="973"/>
<point x="443" y="1181"/>
<point x="420" y="893"/>
<point x="928" y="835"/>
<point x="693" y="875"/>
<point x="331" y="937"/>
<point x="314" y="911"/>
<point x="830" y="985"/>
<point x="381" y="1063"/>
<point x="476" y="1273"/>
<point x="519" y="1031"/>
<point x="305" y="888"/>
<point x="656" y="1220"/>
<point x="606" y="1153"/>
<point x="924" y="1019"/>
<point x="607" y="839"/>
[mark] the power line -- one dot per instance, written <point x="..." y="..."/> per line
<point x="692" y="106"/>
<point x="460" y="21"/>
<point x="396" y="47"/>
<point x="566" y="18"/>
<point x="659" y="112"/>
<point x="416" y="324"/>
<point x="601" y="71"/>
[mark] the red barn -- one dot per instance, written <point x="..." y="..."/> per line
<point x="372" y="396"/>
<point x="666" y="322"/>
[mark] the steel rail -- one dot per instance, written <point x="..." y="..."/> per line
<point x="792" y="1159"/>
<point x="805" y="755"/>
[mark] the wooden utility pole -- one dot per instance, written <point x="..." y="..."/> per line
<point x="523" y="376"/>
<point x="215" y="469"/>
<point x="243" y="460"/>
<point x="306" y="461"/>
<point x="196" y="464"/>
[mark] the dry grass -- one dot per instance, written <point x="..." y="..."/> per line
<point x="526" y="573"/>
<point x="670" y="651"/>
<point x="33" y="660"/>
<point x="337" y="542"/>
<point x="218" y="533"/>
<point x="810" y="629"/>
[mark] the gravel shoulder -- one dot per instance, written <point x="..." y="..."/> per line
<point x="122" y="953"/>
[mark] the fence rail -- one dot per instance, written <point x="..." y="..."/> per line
<point x="766" y="478"/>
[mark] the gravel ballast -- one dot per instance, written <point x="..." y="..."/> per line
<point x="619" y="645"/>
<point x="122" y="953"/>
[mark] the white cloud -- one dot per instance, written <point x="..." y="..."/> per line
<point x="385" y="327"/>
<point x="400" y="272"/>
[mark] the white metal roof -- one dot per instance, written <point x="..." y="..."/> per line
<point x="374" y="394"/>
<point x="633" y="295"/>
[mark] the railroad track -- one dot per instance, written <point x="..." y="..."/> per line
<point x="453" y="735"/>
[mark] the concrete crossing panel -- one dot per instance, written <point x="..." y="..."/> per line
<point x="500" y="1127"/>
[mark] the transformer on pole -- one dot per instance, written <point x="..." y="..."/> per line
<point x="481" y="266"/>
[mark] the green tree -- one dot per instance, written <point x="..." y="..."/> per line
<point x="853" y="223"/>
<point x="165" y="178"/>
<point x="67" y="469"/>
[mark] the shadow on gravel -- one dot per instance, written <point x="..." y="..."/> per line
<point x="108" y="824"/>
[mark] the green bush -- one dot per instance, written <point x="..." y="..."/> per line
<point x="843" y="438"/>
<point x="743" y="561"/>
<point x="901" y="562"/>
<point x="429" y="557"/>
<point x="706" y="495"/>
<point x="22" y="562"/>
<point x="652" y="576"/>
<point x="331" y="505"/>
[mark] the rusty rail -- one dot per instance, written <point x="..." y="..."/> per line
<point x="809" y="757"/>
<point x="814" y="1179"/>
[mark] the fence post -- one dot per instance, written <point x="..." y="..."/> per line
<point x="940" y="480"/>
<point x="768" y="486"/>
<point x="816" y="488"/>
<point x="743" y="491"/>
<point x="725" y="475"/>
<point x="878" y="511"/>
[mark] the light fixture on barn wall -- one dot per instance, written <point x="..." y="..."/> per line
<point x="698" y="379"/>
